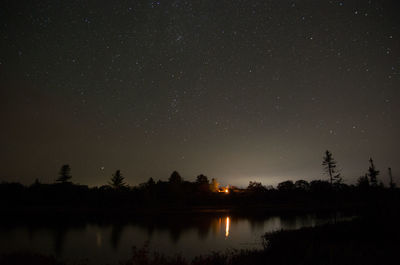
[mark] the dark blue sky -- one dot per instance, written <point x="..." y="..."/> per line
<point x="236" y="90"/>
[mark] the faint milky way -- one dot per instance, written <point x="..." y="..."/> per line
<point x="237" y="90"/>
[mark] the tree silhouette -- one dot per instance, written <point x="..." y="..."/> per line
<point x="202" y="183"/>
<point x="363" y="182"/>
<point x="65" y="174"/>
<point x="320" y="186"/>
<point x="372" y="173"/>
<point x="329" y="165"/>
<point x="117" y="180"/>
<point x="201" y="179"/>
<point x="302" y="185"/>
<point x="392" y="185"/>
<point x="36" y="183"/>
<point x="175" y="178"/>
<point x="255" y="186"/>
<point x="151" y="182"/>
<point x="286" y="186"/>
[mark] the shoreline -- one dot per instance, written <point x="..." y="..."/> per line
<point x="124" y="214"/>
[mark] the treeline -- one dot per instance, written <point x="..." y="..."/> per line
<point x="179" y="193"/>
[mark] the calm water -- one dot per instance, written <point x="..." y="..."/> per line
<point x="110" y="243"/>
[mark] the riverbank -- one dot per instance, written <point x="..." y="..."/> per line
<point x="55" y="214"/>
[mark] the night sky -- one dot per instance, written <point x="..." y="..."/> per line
<point x="236" y="90"/>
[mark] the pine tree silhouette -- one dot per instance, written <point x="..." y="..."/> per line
<point x="65" y="174"/>
<point x="372" y="173"/>
<point x="175" y="178"/>
<point x="392" y="185"/>
<point x="117" y="180"/>
<point x="329" y="165"/>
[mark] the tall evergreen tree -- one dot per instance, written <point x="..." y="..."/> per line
<point x="117" y="180"/>
<point x="372" y="173"/>
<point x="65" y="174"/>
<point x="329" y="165"/>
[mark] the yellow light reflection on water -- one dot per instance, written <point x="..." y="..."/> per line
<point x="227" y="223"/>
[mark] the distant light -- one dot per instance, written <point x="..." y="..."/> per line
<point x="226" y="190"/>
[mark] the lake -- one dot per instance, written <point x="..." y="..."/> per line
<point x="108" y="243"/>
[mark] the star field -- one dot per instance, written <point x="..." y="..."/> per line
<point x="237" y="90"/>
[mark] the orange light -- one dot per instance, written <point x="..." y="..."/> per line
<point x="226" y="191"/>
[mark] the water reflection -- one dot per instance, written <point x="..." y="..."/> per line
<point x="227" y="227"/>
<point x="111" y="242"/>
<point x="99" y="239"/>
<point x="116" y="234"/>
<point x="59" y="239"/>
